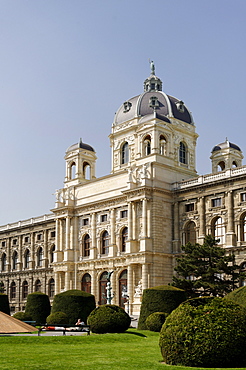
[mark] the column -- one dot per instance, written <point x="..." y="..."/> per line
<point x="93" y="253"/>
<point x="130" y="286"/>
<point x="144" y="217"/>
<point x="134" y="221"/>
<point x="32" y="262"/>
<point x="45" y="255"/>
<point x="176" y="239"/>
<point x="67" y="232"/>
<point x="57" y="279"/>
<point x="67" y="280"/>
<point x="145" y="271"/>
<point x="130" y="221"/>
<point x="230" y="235"/>
<point x="202" y="229"/>
<point x="93" y="283"/>
<point x="112" y="247"/>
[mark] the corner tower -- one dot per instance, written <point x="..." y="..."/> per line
<point x="225" y="156"/>
<point x="154" y="130"/>
<point x="80" y="164"/>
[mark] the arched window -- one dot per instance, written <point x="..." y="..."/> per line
<point x="243" y="270"/>
<point x="12" y="290"/>
<point x="102" y="288"/>
<point x="124" y="236"/>
<point x="40" y="257"/>
<point x="86" y="245"/>
<point x="14" y="260"/>
<point x="123" y="288"/>
<point x="105" y="242"/>
<point x="52" y="253"/>
<point x="147" y="145"/>
<point x="72" y="171"/>
<point x="218" y="230"/>
<point x="190" y="233"/>
<point x="86" y="171"/>
<point x="163" y="145"/>
<point x="182" y="153"/>
<point x="234" y="164"/>
<point x="4" y="262"/>
<point x="221" y="166"/>
<point x="125" y="153"/>
<point x="27" y="259"/>
<point x="243" y="227"/>
<point x="51" y="288"/>
<point x="24" y="289"/>
<point x="37" y="286"/>
<point x="86" y="283"/>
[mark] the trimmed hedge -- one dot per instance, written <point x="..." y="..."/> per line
<point x="155" y="321"/>
<point x="75" y="303"/>
<point x="162" y="298"/>
<point x="205" y="332"/>
<point x="238" y="296"/>
<point x="4" y="303"/>
<point x="57" y="318"/>
<point x="109" y="318"/>
<point x="22" y="316"/>
<point x="38" y="307"/>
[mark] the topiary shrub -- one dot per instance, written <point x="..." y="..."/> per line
<point x="4" y="304"/>
<point x="109" y="318"/>
<point x="163" y="298"/>
<point x="75" y="303"/>
<point x="205" y="332"/>
<point x="57" y="318"/>
<point x="38" y="307"/>
<point x="155" y="321"/>
<point x="22" y="316"/>
<point x="238" y="296"/>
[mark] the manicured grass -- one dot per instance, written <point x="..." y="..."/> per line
<point x="134" y="349"/>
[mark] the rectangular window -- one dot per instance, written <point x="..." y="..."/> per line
<point x="39" y="237"/>
<point x="85" y="221"/>
<point x="216" y="202"/>
<point x="189" y="207"/>
<point x="3" y="244"/>
<point x="52" y="234"/>
<point x="104" y="218"/>
<point x="123" y="214"/>
<point x="14" y="241"/>
<point x="243" y="197"/>
<point x="26" y="239"/>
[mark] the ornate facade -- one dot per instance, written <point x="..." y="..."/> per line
<point x="133" y="221"/>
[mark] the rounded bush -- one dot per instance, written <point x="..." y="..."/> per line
<point x="238" y="296"/>
<point x="155" y="321"/>
<point x="75" y="303"/>
<point x="205" y="332"/>
<point x="109" y="319"/>
<point x="38" y="307"/>
<point x="163" y="298"/>
<point x="57" y="318"/>
<point x="22" y="316"/>
<point x="4" y="304"/>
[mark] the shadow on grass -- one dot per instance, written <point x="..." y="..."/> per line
<point x="138" y="334"/>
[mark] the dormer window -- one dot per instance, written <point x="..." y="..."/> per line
<point x="127" y="106"/>
<point x="180" y="106"/>
<point x="153" y="102"/>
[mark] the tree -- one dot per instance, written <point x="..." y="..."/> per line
<point x="206" y="270"/>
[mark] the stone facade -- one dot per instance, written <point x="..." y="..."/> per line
<point x="133" y="221"/>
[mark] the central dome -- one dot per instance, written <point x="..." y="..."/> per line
<point x="153" y="102"/>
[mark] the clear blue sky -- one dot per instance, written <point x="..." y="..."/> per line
<point x="67" y="65"/>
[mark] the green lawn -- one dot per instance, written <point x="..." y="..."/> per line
<point x="134" y="349"/>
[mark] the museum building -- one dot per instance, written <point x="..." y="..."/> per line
<point x="133" y="221"/>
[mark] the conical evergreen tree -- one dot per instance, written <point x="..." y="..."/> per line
<point x="206" y="270"/>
